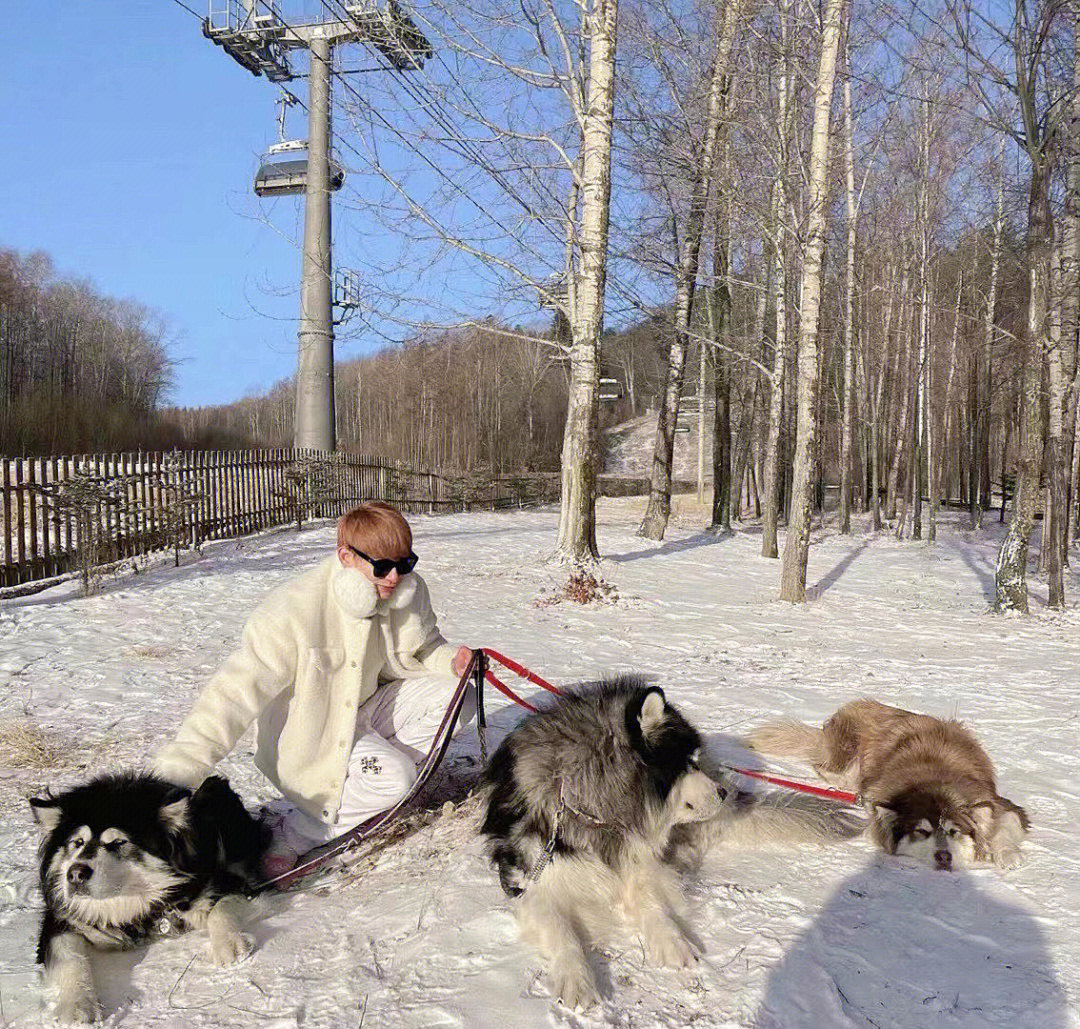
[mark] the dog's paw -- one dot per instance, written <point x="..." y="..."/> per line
<point x="667" y="947"/>
<point x="573" y="984"/>
<point x="77" y="1010"/>
<point x="1008" y="857"/>
<point x="228" y="948"/>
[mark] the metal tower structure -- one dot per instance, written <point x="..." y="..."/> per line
<point x="256" y="35"/>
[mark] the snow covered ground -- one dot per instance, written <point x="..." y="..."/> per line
<point x="419" y="934"/>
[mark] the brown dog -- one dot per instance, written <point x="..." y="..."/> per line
<point x="927" y="784"/>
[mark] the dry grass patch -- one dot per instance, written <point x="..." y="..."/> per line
<point x="152" y="650"/>
<point x="26" y="745"/>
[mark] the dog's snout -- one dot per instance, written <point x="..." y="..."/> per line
<point x="79" y="873"/>
<point x="943" y="859"/>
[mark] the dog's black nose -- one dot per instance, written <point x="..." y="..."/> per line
<point x="79" y="873"/>
<point x="943" y="859"/>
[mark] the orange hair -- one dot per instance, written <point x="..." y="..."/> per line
<point x="377" y="529"/>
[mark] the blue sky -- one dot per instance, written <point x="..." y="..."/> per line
<point x="131" y="146"/>
<point x="132" y="143"/>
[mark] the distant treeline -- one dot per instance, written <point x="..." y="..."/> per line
<point x="473" y="398"/>
<point x="81" y="373"/>
<point x="78" y="371"/>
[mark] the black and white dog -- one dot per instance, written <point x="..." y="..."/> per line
<point x="130" y="857"/>
<point x="593" y="805"/>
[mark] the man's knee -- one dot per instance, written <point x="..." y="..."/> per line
<point x="388" y="774"/>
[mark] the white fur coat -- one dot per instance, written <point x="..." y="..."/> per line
<point x="310" y="655"/>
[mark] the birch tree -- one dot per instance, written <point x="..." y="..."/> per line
<point x="577" y="513"/>
<point x="797" y="539"/>
<point x="770" y="498"/>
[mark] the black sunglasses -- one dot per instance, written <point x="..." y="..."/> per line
<point x="382" y="567"/>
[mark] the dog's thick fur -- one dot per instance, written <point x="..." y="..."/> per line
<point x="607" y="780"/>
<point x="927" y="784"/>
<point x="127" y="857"/>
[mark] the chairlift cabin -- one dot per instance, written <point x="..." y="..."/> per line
<point x="283" y="170"/>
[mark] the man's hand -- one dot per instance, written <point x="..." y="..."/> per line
<point x="461" y="661"/>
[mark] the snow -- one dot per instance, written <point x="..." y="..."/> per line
<point x="418" y="933"/>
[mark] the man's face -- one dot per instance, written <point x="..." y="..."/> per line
<point x="383" y="587"/>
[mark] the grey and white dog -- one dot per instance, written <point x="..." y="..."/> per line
<point x="927" y="784"/>
<point x="592" y="806"/>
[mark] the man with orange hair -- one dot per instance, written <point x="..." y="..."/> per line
<point x="349" y="678"/>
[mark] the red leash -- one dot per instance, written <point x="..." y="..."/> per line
<point x="828" y="792"/>
<point x="517" y="669"/>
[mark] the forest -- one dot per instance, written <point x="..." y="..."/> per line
<point x="846" y="233"/>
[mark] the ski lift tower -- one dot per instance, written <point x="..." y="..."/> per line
<point x="256" y="35"/>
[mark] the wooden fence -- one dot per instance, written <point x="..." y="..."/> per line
<point x="137" y="503"/>
<point x="56" y="511"/>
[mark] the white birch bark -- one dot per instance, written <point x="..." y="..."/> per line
<point x="986" y="356"/>
<point x="770" y="497"/>
<point x="848" y="386"/>
<point x="577" y="516"/>
<point x="1010" y="572"/>
<point x="797" y="538"/>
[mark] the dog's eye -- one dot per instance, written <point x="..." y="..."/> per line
<point x="920" y="834"/>
<point x="689" y="806"/>
<point x="952" y="832"/>
<point x="114" y="846"/>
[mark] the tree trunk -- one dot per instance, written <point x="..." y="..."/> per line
<point x="703" y="361"/>
<point x="577" y="515"/>
<point x="986" y="354"/>
<point x="654" y="524"/>
<point x="1070" y="292"/>
<point x="937" y="469"/>
<point x="903" y="399"/>
<point x="919" y="449"/>
<point x="719" y="323"/>
<point x="770" y="493"/>
<point x="1010" y="575"/>
<point x="848" y="391"/>
<point x="742" y="451"/>
<point x="797" y="538"/>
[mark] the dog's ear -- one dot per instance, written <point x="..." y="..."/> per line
<point x="886" y="815"/>
<point x="174" y="812"/>
<point x="982" y="817"/>
<point x="47" y="811"/>
<point x="652" y="710"/>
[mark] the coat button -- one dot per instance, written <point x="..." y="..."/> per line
<point x="326" y="812"/>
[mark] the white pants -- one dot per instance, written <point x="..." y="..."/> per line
<point x="394" y="732"/>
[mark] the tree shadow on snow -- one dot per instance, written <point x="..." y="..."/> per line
<point x="834" y="574"/>
<point x="983" y="569"/>
<point x="701" y="539"/>
<point x="901" y="946"/>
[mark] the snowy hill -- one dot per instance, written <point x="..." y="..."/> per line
<point x="418" y="934"/>
<point x="630" y="448"/>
